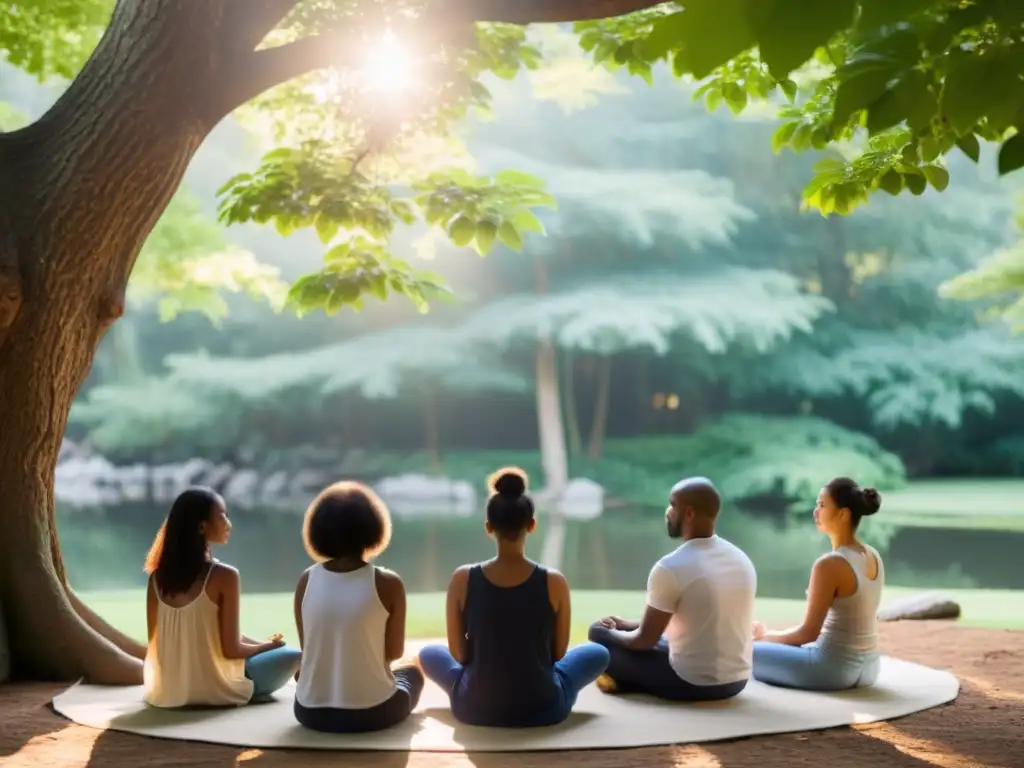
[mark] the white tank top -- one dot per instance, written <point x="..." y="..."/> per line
<point x="185" y="664"/>
<point x="852" y="622"/>
<point x="343" y="623"/>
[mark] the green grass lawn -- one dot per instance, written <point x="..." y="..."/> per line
<point x="980" y="504"/>
<point x="264" y="614"/>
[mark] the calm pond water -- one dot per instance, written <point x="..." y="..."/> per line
<point x="104" y="549"/>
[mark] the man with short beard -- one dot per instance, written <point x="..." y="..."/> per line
<point x="694" y="642"/>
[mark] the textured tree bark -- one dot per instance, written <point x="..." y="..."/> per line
<point x="80" y="190"/>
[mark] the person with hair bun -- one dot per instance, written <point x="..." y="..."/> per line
<point x="836" y="645"/>
<point x="508" y="661"/>
<point x="350" y="616"/>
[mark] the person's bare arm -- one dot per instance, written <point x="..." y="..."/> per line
<point x="300" y="593"/>
<point x="826" y="576"/>
<point x="392" y="594"/>
<point x="647" y="633"/>
<point x="663" y="596"/>
<point x="228" y="584"/>
<point x="151" y="611"/>
<point x="454" y="604"/>
<point x="561" y="602"/>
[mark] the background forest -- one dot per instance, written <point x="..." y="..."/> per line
<point x="682" y="316"/>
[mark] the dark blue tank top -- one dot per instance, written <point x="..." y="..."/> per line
<point x="509" y="673"/>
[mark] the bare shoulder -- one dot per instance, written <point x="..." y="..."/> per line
<point x="224" y="575"/>
<point x="831" y="565"/>
<point x="389" y="583"/>
<point x="461" y="574"/>
<point x="557" y="580"/>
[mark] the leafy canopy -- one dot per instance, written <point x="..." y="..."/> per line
<point x="892" y="85"/>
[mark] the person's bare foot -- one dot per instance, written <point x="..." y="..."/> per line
<point x="606" y="684"/>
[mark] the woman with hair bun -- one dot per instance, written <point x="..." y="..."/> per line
<point x="508" y="662"/>
<point x="836" y="646"/>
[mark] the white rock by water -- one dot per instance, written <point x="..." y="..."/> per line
<point x="582" y="500"/>
<point x="422" y="496"/>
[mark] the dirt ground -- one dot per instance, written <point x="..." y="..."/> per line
<point x="984" y="728"/>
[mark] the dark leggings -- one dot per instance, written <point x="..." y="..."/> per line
<point x="650" y="672"/>
<point x="408" y="687"/>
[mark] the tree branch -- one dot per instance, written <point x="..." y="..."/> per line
<point x="262" y="70"/>
<point x="546" y="11"/>
<point x="250" y="21"/>
<point x="259" y="71"/>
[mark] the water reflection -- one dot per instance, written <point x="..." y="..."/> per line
<point x="104" y="549"/>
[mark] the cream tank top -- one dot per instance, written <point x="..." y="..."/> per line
<point x="343" y="624"/>
<point x="851" y="624"/>
<point x="185" y="664"/>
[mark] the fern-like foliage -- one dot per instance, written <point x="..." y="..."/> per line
<point x="136" y="416"/>
<point x="998" y="280"/>
<point x="907" y="377"/>
<point x="754" y="308"/>
<point x="751" y="455"/>
<point x="375" y="365"/>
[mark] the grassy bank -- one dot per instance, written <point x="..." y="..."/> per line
<point x="264" y="614"/>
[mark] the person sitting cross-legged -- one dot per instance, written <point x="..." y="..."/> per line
<point x="694" y="640"/>
<point x="350" y="616"/>
<point x="836" y="645"/>
<point x="508" y="661"/>
<point x="196" y="654"/>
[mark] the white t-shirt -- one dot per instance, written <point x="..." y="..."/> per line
<point x="708" y="585"/>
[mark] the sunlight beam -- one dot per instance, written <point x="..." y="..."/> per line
<point x="388" y="67"/>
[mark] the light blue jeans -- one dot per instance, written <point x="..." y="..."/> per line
<point x="271" y="670"/>
<point x="813" y="668"/>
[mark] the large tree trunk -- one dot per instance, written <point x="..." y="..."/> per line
<point x="80" y="190"/>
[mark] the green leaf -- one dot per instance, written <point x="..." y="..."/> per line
<point x="916" y="183"/>
<point x="509" y="236"/>
<point x="326" y="228"/>
<point x="859" y="91"/>
<point x="969" y="145"/>
<point x="782" y="136"/>
<point x="735" y="97"/>
<point x="526" y="221"/>
<point x="916" y="99"/>
<point x="1011" y="154"/>
<point x="789" y="88"/>
<point x="937" y="176"/>
<point x="891" y="182"/>
<point x="706" y="34"/>
<point x="969" y="90"/>
<point x="486" y="232"/>
<point x="796" y="28"/>
<point x="462" y="230"/>
<point x="884" y="113"/>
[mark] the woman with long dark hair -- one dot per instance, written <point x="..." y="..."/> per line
<point x="196" y="654"/>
